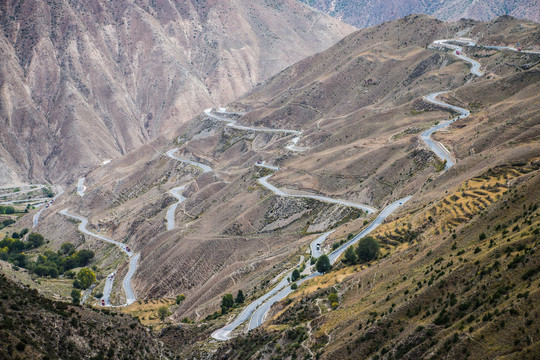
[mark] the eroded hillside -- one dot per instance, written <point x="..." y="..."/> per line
<point x="341" y="125"/>
<point x="87" y="81"/>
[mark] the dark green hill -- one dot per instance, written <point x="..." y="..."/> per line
<point x="34" y="327"/>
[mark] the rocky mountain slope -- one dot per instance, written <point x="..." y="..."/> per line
<point x="33" y="327"/>
<point x="360" y="106"/>
<point x="86" y="81"/>
<point x="363" y="13"/>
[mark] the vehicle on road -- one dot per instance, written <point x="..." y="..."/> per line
<point x="127" y="249"/>
<point x="457" y="52"/>
<point x="102" y="302"/>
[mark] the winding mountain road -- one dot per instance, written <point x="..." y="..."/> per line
<point x="260" y="307"/>
<point x="259" y="315"/>
<point x="234" y="124"/>
<point x="264" y="182"/>
<point x="35" y="219"/>
<point x="204" y="168"/>
<point x="130" y="294"/>
<point x="176" y="192"/>
<point x="437" y="147"/>
<point x="315" y="253"/>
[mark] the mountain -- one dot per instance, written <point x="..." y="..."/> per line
<point x="87" y="81"/>
<point x="34" y="327"/>
<point x="325" y="145"/>
<point x="362" y="13"/>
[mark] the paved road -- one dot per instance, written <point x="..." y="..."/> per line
<point x="292" y="146"/>
<point x="261" y="306"/>
<point x="176" y="192"/>
<point x="223" y="333"/>
<point x="80" y="186"/>
<point x="264" y="182"/>
<point x="35" y="219"/>
<point x="130" y="294"/>
<point x="313" y="246"/>
<point x="437" y="147"/>
<point x="204" y="168"/>
<point x="108" y="288"/>
<point x="264" y="165"/>
<point x="259" y="315"/>
<point x="475" y="69"/>
<point x="234" y="124"/>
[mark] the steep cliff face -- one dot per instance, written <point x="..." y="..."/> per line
<point x="364" y="13"/>
<point x="86" y="81"/>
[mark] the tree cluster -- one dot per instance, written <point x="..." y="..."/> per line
<point x="367" y="249"/>
<point x="228" y="302"/>
<point x="7" y="209"/>
<point x="49" y="263"/>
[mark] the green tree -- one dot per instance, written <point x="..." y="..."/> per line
<point x="227" y="302"/>
<point x="368" y="249"/>
<point x="35" y="240"/>
<point x="41" y="270"/>
<point x="83" y="257"/>
<point x="86" y="277"/>
<point x="323" y="264"/>
<point x="75" y="296"/>
<point x="163" y="312"/>
<point x="180" y="298"/>
<point x="67" y="248"/>
<point x="294" y="286"/>
<point x="350" y="256"/>
<point x="53" y="272"/>
<point x="240" y="297"/>
<point x="295" y="275"/>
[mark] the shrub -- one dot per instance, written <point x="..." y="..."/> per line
<point x="368" y="249"/>
<point x="323" y="264"/>
<point x="295" y="275"/>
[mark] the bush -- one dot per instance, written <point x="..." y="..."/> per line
<point x="227" y="302"/>
<point x="482" y="236"/>
<point x="180" y="298"/>
<point x="163" y="312"/>
<point x="34" y="240"/>
<point x="295" y="275"/>
<point x="368" y="249"/>
<point x="350" y="256"/>
<point x="323" y="264"/>
<point x="239" y="297"/>
<point x="75" y="296"/>
<point x="86" y="277"/>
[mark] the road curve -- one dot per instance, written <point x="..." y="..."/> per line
<point x="176" y="192"/>
<point x="35" y="219"/>
<point x="130" y="294"/>
<point x="107" y="289"/>
<point x="204" y="168"/>
<point x="437" y="147"/>
<point x="280" y="291"/>
<point x="264" y="182"/>
<point x="259" y="315"/>
<point x="319" y="240"/>
<point x="264" y="165"/>
<point x="234" y="124"/>
<point x="475" y="65"/>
